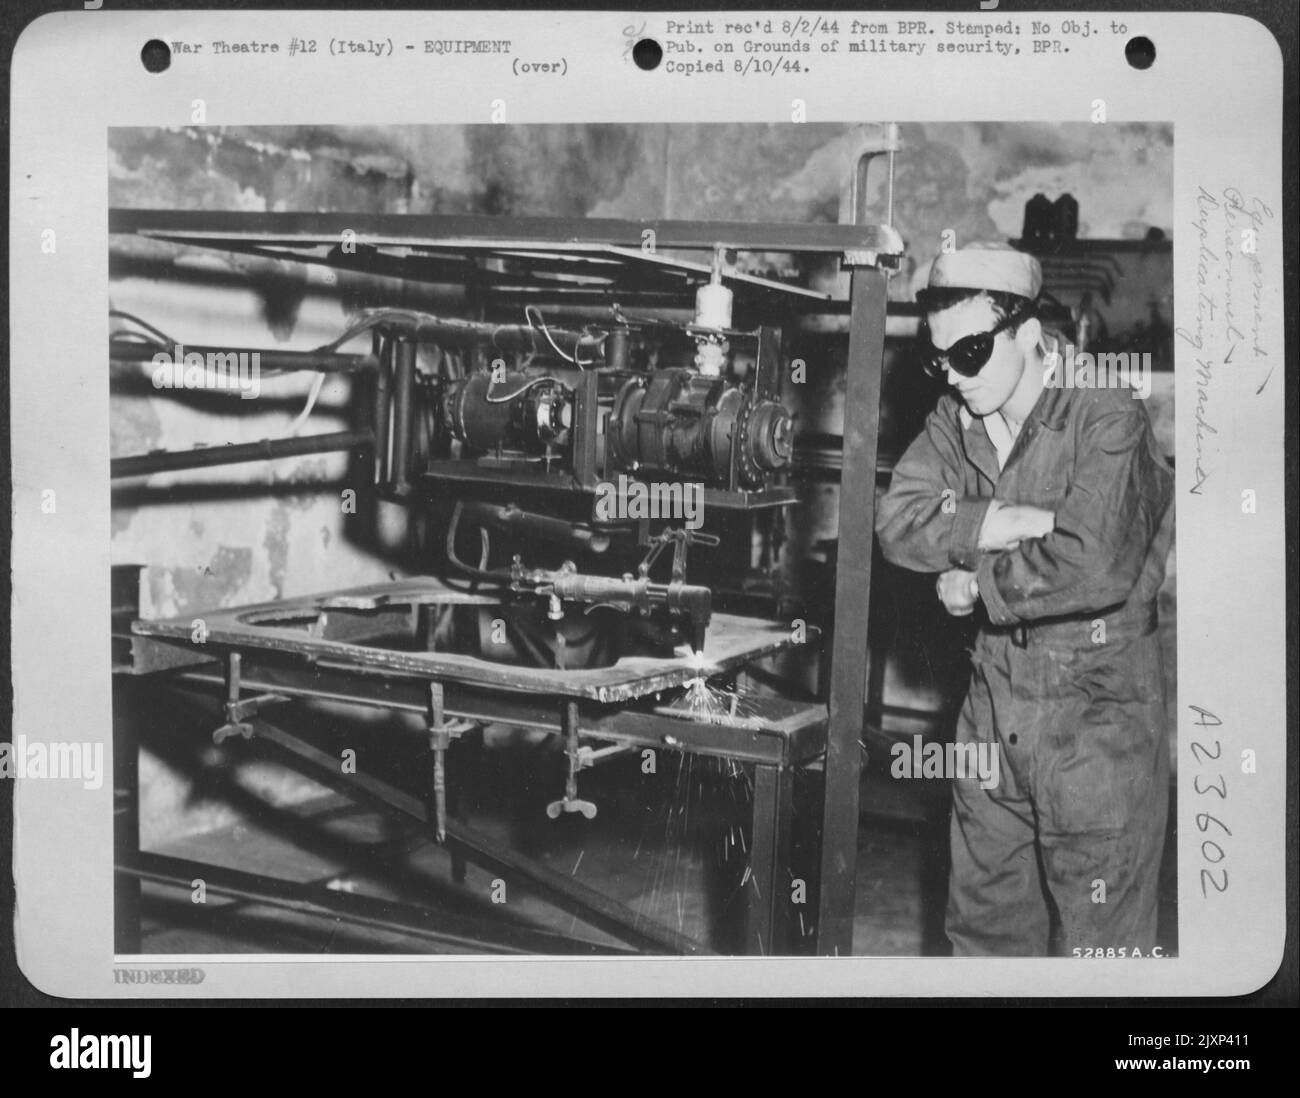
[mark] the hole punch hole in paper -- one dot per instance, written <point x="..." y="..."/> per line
<point x="1140" y="52"/>
<point x="647" y="53"/>
<point x="156" y="55"/>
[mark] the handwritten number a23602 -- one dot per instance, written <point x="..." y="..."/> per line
<point x="1217" y="877"/>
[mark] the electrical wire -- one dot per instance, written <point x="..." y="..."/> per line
<point x="160" y="338"/>
<point x="520" y="390"/>
<point x="541" y="325"/>
<point x="313" y="395"/>
<point x="489" y="576"/>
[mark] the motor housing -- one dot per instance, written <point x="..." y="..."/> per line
<point x="682" y="423"/>
<point x="511" y="410"/>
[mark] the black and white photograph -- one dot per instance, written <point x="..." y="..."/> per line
<point x="656" y="507"/>
<point x="644" y="538"/>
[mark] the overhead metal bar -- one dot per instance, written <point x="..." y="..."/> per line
<point x="474" y="231"/>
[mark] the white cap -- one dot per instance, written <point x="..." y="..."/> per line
<point x="995" y="267"/>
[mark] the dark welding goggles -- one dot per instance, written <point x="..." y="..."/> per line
<point x="970" y="354"/>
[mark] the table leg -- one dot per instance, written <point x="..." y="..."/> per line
<point x="126" y="816"/>
<point x="768" y="885"/>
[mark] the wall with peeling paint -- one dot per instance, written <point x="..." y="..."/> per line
<point x="242" y="534"/>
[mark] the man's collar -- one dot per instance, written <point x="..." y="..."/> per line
<point x="1051" y="409"/>
<point x="977" y="444"/>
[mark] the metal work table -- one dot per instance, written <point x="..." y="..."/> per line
<point x="774" y="736"/>
<point x="356" y="627"/>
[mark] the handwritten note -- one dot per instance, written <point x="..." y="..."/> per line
<point x="1229" y="307"/>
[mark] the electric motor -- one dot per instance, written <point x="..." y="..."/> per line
<point x="513" y="410"/>
<point x="682" y="423"/>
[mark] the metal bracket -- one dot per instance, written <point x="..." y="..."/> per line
<point x="571" y="802"/>
<point x="888" y="255"/>
<point x="680" y="539"/>
<point x="441" y="732"/>
<point x="888" y="259"/>
<point x="885" y="144"/>
<point x="590" y="756"/>
<point x="237" y="709"/>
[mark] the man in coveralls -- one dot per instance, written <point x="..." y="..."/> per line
<point x="1047" y="510"/>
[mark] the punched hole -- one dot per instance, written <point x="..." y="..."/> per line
<point x="1140" y="52"/>
<point x="647" y="54"/>
<point x="156" y="55"/>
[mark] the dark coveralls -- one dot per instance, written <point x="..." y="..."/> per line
<point x="1066" y="676"/>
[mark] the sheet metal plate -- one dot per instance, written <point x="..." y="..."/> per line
<point x="294" y="627"/>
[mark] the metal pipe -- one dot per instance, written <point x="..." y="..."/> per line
<point x="859" y="197"/>
<point x="528" y="523"/>
<point x="330" y="362"/>
<point x="439" y="742"/>
<point x="384" y="353"/>
<point x="165" y="461"/>
<point x="503" y="338"/>
<point x="403" y="411"/>
<point x="889" y="191"/>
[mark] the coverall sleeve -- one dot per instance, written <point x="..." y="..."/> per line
<point x="926" y="522"/>
<point x="1117" y="497"/>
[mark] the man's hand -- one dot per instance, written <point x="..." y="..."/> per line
<point x="1006" y="525"/>
<point x="958" y="591"/>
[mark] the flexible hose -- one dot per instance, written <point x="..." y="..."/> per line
<point x="501" y="577"/>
